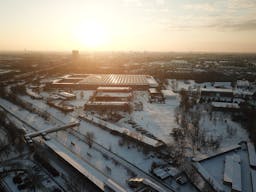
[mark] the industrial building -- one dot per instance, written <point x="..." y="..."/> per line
<point x="110" y="99"/>
<point x="93" y="81"/>
<point x="214" y="94"/>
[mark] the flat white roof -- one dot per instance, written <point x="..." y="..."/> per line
<point x="243" y="83"/>
<point x="217" y="90"/>
<point x="232" y="171"/>
<point x="106" y="103"/>
<point x="113" y="94"/>
<point x="114" y="88"/>
<point x="168" y="93"/>
<point x="225" y="105"/>
<point x="222" y="84"/>
<point x="109" y="79"/>
<point x="66" y="94"/>
<point x="153" y="90"/>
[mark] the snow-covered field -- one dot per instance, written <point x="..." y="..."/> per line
<point x="221" y="125"/>
<point x="158" y="119"/>
<point x="155" y="119"/>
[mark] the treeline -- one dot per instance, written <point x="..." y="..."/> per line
<point x="248" y="120"/>
<point x="11" y="128"/>
<point x="13" y="97"/>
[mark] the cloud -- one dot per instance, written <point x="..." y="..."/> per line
<point x="200" y="7"/>
<point x="137" y="3"/>
<point x="160" y="2"/>
<point x="241" y="4"/>
<point x="246" y="25"/>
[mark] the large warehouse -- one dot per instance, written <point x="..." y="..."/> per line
<point x="93" y="81"/>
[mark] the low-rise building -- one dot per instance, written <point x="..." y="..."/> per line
<point x="216" y="94"/>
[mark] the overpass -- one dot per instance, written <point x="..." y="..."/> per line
<point x="44" y="132"/>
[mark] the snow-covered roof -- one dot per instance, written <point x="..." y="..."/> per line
<point x="90" y="172"/>
<point x="151" y="81"/>
<point x="164" y="172"/>
<point x="153" y="91"/>
<point x="222" y="84"/>
<point x="221" y="151"/>
<point x="243" y="83"/>
<point x="169" y="93"/>
<point x="107" y="103"/>
<point x="153" y="185"/>
<point x="4" y="71"/>
<point x="252" y="154"/>
<point x="236" y="176"/>
<point x="33" y="94"/>
<point x="232" y="171"/>
<point x="178" y="61"/>
<point x="66" y="94"/>
<point x="217" y="90"/>
<point x="211" y="180"/>
<point x="225" y="105"/>
<point x="228" y="169"/>
<point x="113" y="94"/>
<point x="253" y="177"/>
<point x="108" y="79"/>
<point x="36" y="86"/>
<point x="243" y="92"/>
<point x="109" y="89"/>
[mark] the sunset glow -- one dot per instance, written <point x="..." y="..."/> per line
<point x="91" y="35"/>
<point x="139" y="25"/>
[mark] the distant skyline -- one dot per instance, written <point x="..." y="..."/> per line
<point x="128" y="25"/>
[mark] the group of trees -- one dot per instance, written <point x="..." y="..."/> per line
<point x="190" y="131"/>
<point x="248" y="120"/>
<point x="13" y="96"/>
<point x="14" y="134"/>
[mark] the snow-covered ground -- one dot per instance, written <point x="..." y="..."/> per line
<point x="158" y="119"/>
<point x="118" y="172"/>
<point x="221" y="125"/>
<point x="155" y="119"/>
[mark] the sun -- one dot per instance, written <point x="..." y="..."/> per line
<point x="91" y="34"/>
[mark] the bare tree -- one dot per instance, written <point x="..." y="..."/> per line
<point x="184" y="103"/>
<point x="89" y="138"/>
<point x="81" y="95"/>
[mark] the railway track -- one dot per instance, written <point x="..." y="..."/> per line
<point x="98" y="147"/>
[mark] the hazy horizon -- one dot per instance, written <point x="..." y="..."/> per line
<point x="220" y="26"/>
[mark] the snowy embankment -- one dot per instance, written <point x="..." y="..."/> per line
<point x="123" y="131"/>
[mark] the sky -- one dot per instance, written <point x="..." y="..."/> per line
<point x="128" y="25"/>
